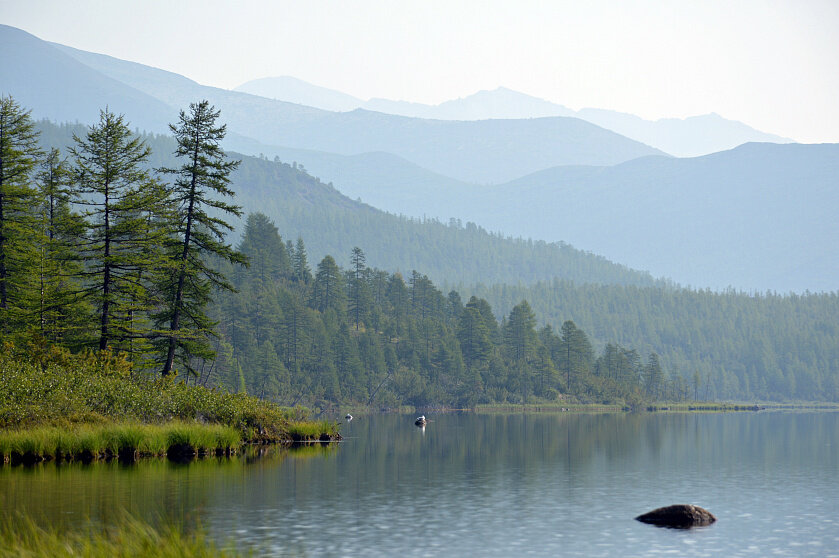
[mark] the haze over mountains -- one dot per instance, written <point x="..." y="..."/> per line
<point x="682" y="137"/>
<point x="757" y="217"/>
<point x="506" y="149"/>
<point x="760" y="216"/>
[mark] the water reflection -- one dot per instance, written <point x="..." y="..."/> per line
<point x="467" y="484"/>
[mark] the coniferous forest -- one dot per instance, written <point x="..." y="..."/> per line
<point x="109" y="243"/>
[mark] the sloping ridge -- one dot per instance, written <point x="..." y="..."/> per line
<point x="58" y="87"/>
<point x="760" y="216"/>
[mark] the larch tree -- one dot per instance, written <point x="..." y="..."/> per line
<point x="19" y="154"/>
<point x="117" y="194"/>
<point x="61" y="311"/>
<point x="198" y="231"/>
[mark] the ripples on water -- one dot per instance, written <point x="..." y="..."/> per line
<point x="490" y="485"/>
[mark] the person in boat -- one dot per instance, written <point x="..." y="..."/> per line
<point x="420" y="421"/>
<point x="348" y="417"/>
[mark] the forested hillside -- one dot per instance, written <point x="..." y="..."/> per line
<point x="763" y="346"/>
<point x="331" y="223"/>
<point x="711" y="345"/>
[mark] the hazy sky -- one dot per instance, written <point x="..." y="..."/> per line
<point x="773" y="64"/>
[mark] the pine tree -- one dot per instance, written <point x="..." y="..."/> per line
<point x="199" y="231"/>
<point x="473" y="336"/>
<point x="19" y="153"/>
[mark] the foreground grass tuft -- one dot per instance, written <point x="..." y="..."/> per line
<point x="129" y="538"/>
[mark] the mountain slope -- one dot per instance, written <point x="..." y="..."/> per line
<point x="58" y="87"/>
<point x="761" y="216"/>
<point x="500" y="103"/>
<point x="744" y="347"/>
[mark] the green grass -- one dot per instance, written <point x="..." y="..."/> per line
<point x="311" y="431"/>
<point x="118" y="439"/>
<point x="130" y="537"/>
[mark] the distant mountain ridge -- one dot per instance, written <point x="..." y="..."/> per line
<point x="756" y="217"/>
<point x="477" y="151"/>
<point x="682" y="137"/>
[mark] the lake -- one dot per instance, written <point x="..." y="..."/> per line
<point x="487" y="485"/>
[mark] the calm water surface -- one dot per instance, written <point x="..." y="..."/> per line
<point x="488" y="485"/>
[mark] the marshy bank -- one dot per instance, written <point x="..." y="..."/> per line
<point x="93" y="405"/>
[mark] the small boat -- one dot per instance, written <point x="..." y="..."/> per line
<point x="420" y="421"/>
<point x="348" y="417"/>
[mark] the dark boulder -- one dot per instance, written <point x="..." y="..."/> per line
<point x="680" y="516"/>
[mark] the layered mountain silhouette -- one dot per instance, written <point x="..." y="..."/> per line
<point x="685" y="137"/>
<point x="760" y="216"/>
<point x="476" y="151"/>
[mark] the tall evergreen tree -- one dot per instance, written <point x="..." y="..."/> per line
<point x="199" y="231"/>
<point x="520" y="332"/>
<point x="61" y="312"/>
<point x="359" y="291"/>
<point x="473" y="336"/>
<point x="328" y="288"/>
<point x="653" y="377"/>
<point x="300" y="263"/>
<point x="19" y="153"/>
<point x="520" y="342"/>
<point x="575" y="356"/>
<point x="117" y="194"/>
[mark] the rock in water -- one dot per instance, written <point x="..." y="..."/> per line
<point x="680" y="516"/>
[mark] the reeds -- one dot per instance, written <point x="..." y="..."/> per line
<point x="125" y="440"/>
<point x="306" y="431"/>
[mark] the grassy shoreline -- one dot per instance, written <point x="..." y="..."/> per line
<point x="94" y="406"/>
